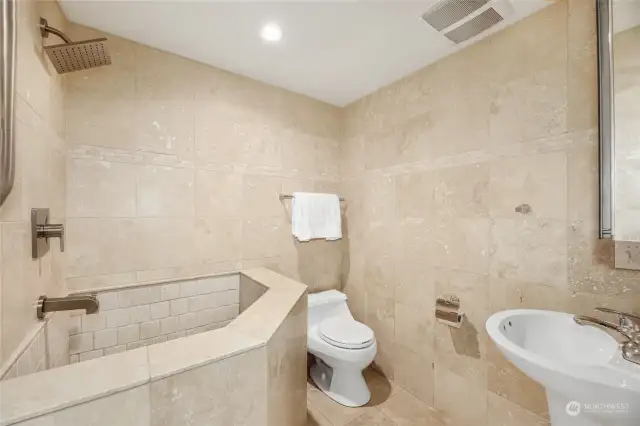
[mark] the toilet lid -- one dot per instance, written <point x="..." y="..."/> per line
<point x="346" y="333"/>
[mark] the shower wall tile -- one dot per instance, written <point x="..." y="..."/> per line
<point x="438" y="169"/>
<point x="97" y="246"/>
<point x="165" y="192"/>
<point x="101" y="188"/>
<point x="175" y="168"/>
<point x="218" y="193"/>
<point x="235" y="397"/>
<point x="40" y="148"/>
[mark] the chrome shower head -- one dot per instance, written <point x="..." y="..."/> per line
<point x="75" y="56"/>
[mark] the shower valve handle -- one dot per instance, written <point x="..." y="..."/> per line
<point x="52" y="231"/>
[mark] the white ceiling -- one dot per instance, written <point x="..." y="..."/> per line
<point x="334" y="51"/>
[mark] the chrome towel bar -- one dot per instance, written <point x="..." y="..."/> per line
<point x="290" y="197"/>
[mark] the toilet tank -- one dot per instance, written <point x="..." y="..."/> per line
<point x="326" y="304"/>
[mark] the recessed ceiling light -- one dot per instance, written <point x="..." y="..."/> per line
<point x="271" y="33"/>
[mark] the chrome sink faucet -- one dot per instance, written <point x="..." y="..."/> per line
<point x="628" y="327"/>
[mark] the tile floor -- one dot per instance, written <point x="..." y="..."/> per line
<point x="390" y="405"/>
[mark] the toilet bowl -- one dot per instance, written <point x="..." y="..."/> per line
<point x="342" y="346"/>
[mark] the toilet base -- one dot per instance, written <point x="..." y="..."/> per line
<point x="345" y="386"/>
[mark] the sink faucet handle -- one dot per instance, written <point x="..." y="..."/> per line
<point x="624" y="318"/>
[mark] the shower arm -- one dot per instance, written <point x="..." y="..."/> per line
<point x="8" y="51"/>
<point x="45" y="30"/>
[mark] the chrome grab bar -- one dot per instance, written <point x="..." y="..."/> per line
<point x="8" y="45"/>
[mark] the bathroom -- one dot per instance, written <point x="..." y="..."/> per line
<point x="473" y="180"/>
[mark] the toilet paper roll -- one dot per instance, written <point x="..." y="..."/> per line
<point x="448" y="311"/>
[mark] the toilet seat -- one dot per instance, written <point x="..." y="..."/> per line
<point x="346" y="333"/>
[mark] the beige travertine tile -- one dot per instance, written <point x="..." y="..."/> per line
<point x="128" y="408"/>
<point x="414" y="372"/>
<point x="92" y="251"/>
<point x="287" y="369"/>
<point x="501" y="412"/>
<point x="530" y="250"/>
<point x="336" y="414"/>
<point x="463" y="350"/>
<point x="236" y="396"/>
<point x="463" y="191"/>
<point x="260" y="237"/>
<point x="261" y="196"/>
<point x="351" y="155"/>
<point x="165" y="127"/>
<point x="507" y="381"/>
<point x="450" y="389"/>
<point x="315" y="418"/>
<point x="164" y="242"/>
<point x="218" y="193"/>
<point x="455" y="243"/>
<point x="415" y="285"/>
<point x="94" y="120"/>
<point x="101" y="189"/>
<point x="538" y="181"/>
<point x="48" y="391"/>
<point x="380" y="298"/>
<point x="582" y="65"/>
<point x="164" y="76"/>
<point x="175" y="357"/>
<point x="219" y="129"/>
<point x="591" y="264"/>
<point x="530" y="107"/>
<point x="406" y="410"/>
<point x="165" y="192"/>
<point x="218" y="239"/>
<point x="415" y="194"/>
<point x="373" y="418"/>
<point x="414" y="330"/>
<point x="299" y="154"/>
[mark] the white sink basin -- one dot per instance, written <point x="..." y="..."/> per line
<point x="587" y="381"/>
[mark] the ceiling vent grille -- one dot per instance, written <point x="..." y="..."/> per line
<point x="448" y="12"/>
<point x="475" y="26"/>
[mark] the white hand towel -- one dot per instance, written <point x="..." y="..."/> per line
<point x="316" y="216"/>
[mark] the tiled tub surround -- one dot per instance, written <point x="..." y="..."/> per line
<point x="142" y="315"/>
<point x="47" y="346"/>
<point x="250" y="373"/>
<point x="184" y="163"/>
<point x="434" y="168"/>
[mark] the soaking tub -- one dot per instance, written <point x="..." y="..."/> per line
<point x="228" y="350"/>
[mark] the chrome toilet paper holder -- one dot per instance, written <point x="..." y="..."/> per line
<point x="448" y="311"/>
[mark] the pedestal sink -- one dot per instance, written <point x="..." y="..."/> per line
<point x="587" y="381"/>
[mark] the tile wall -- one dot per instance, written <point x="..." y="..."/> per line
<point x="182" y="164"/>
<point x="144" y="315"/>
<point x="39" y="182"/>
<point x="436" y="168"/>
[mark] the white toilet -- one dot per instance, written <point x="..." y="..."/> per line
<point x="342" y="346"/>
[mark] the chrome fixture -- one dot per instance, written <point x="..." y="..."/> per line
<point x="290" y="197"/>
<point x="42" y="230"/>
<point x="75" y="56"/>
<point x="448" y="311"/>
<point x="628" y="327"/>
<point x="606" y="117"/>
<point x="69" y="303"/>
<point x="8" y="43"/>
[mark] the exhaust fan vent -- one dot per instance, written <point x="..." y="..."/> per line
<point x="448" y="12"/>
<point x="475" y="26"/>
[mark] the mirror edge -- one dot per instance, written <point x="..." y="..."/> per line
<point x="606" y="117"/>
